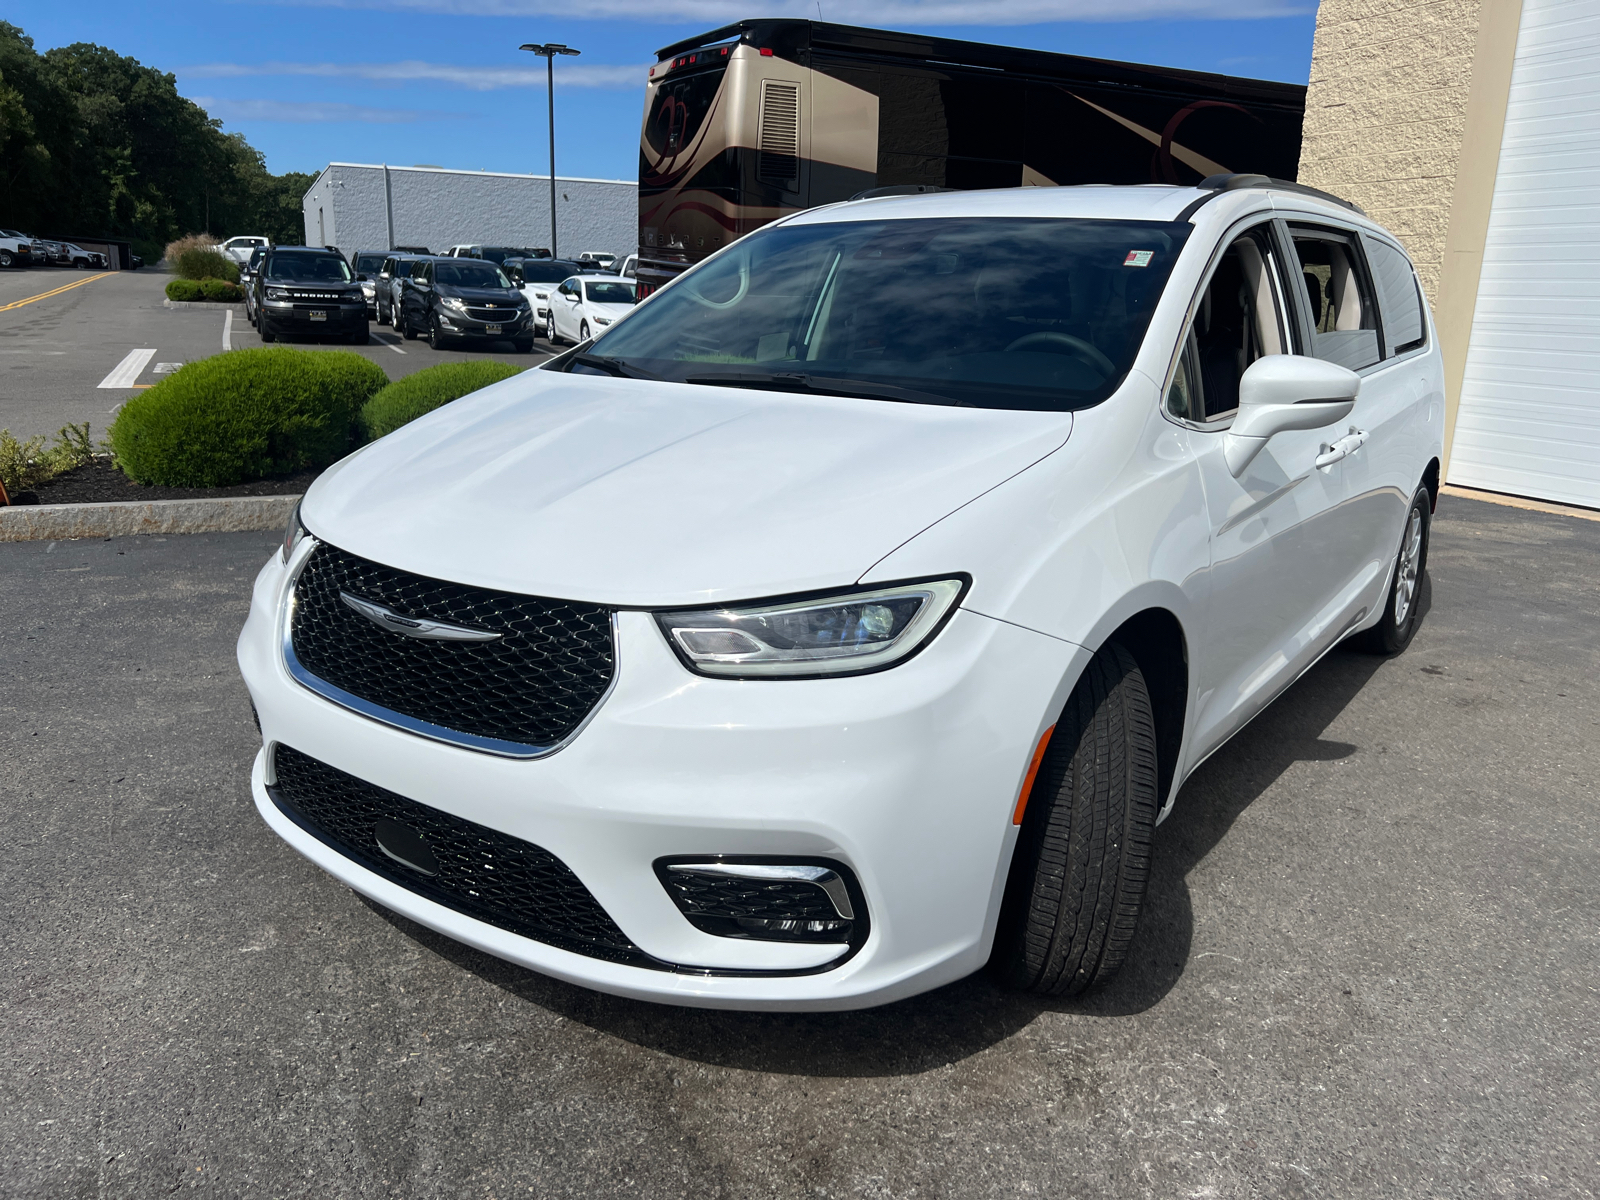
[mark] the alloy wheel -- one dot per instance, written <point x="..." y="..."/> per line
<point x="1406" y="570"/>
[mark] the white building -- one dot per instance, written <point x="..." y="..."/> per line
<point x="357" y="206"/>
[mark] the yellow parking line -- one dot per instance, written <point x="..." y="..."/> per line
<point x="76" y="283"/>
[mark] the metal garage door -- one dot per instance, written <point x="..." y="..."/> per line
<point x="1529" y="420"/>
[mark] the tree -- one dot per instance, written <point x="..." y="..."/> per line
<point x="95" y="143"/>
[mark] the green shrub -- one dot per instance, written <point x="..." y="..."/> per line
<point x="25" y="465"/>
<point x="221" y="289"/>
<point x="250" y="414"/>
<point x="183" y="291"/>
<point x="416" y="395"/>
<point x="202" y="262"/>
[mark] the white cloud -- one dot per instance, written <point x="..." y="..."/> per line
<point x="480" y="79"/>
<point x="884" y="14"/>
<point x="304" y="112"/>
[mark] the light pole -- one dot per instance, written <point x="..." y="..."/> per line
<point x="548" y="52"/>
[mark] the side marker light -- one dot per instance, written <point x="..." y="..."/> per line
<point x="1033" y="772"/>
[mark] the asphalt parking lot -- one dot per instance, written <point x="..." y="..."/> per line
<point x="1369" y="966"/>
<point x="57" y="351"/>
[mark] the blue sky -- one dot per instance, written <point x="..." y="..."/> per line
<point x="442" y="81"/>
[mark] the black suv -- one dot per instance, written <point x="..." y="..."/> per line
<point x="304" y="290"/>
<point x="450" y="298"/>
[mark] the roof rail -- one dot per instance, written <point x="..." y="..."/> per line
<point x="901" y="189"/>
<point x="1233" y="183"/>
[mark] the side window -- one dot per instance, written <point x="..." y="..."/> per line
<point x="1400" y="296"/>
<point x="1340" y="308"/>
<point x="1239" y="319"/>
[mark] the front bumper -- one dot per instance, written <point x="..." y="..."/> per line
<point x="907" y="776"/>
<point x="518" y="323"/>
<point x="295" y="316"/>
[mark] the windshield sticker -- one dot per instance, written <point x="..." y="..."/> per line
<point x="1138" y="258"/>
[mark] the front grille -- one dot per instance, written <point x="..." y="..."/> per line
<point x="485" y="874"/>
<point x="532" y="687"/>
<point x="498" y="315"/>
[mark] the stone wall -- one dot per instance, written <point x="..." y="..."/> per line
<point x="1386" y="114"/>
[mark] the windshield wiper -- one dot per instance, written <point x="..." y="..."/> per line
<point x="611" y="367"/>
<point x="826" y="385"/>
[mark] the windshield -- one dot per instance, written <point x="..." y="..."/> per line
<point x="608" y="292"/>
<point x="470" y="273"/>
<point x="499" y="254"/>
<point x="1021" y="313"/>
<point x="309" y="268"/>
<point x="369" y="263"/>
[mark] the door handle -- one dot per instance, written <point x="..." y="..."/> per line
<point x="1343" y="448"/>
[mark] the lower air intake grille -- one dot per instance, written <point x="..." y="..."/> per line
<point x="480" y="872"/>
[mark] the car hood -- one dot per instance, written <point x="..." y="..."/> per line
<point x="632" y="492"/>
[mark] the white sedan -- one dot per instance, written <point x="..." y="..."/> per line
<point x="846" y="618"/>
<point x="584" y="305"/>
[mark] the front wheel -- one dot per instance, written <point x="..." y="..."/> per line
<point x="266" y="332"/>
<point x="1083" y="858"/>
<point x="403" y="324"/>
<point x="550" y="330"/>
<point x="5" y="258"/>
<point x="583" y="331"/>
<point x="524" y="345"/>
<point x="1403" y="612"/>
<point x="361" y="336"/>
<point x="435" y="334"/>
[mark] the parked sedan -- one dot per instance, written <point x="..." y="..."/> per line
<point x="819" y="635"/>
<point x="585" y="304"/>
<point x="447" y="299"/>
<point x="303" y="290"/>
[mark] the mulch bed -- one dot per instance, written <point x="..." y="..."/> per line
<point x="98" y="482"/>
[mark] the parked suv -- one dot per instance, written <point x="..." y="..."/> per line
<point x="846" y="616"/>
<point x="538" y="277"/>
<point x="16" y="249"/>
<point x="387" y="283"/>
<point x="367" y="265"/>
<point x="302" y="290"/>
<point x="247" y="274"/>
<point x="450" y="298"/>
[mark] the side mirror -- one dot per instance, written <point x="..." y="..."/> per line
<point x="1282" y="392"/>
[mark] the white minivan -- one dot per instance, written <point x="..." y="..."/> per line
<point x="846" y="617"/>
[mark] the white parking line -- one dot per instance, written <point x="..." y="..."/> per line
<point x="227" y="330"/>
<point x="391" y="345"/>
<point x="128" y="370"/>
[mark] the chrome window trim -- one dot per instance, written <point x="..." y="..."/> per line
<point x="387" y="716"/>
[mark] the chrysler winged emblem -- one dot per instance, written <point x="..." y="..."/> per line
<point x="412" y="627"/>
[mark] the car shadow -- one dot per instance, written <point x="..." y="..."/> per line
<point x="964" y="1018"/>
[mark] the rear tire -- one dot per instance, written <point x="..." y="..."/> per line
<point x="1083" y="858"/>
<point x="1402" y="613"/>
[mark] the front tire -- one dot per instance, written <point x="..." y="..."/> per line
<point x="1082" y="861"/>
<point x="403" y="324"/>
<point x="1402" y="614"/>
<point x="5" y="258"/>
<point x="267" y="335"/>
<point x="583" y="331"/>
<point x="550" y="330"/>
<point x="436" y="337"/>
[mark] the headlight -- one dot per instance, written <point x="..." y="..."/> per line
<point x="354" y="293"/>
<point x="277" y="293"/>
<point x="368" y="289"/>
<point x="602" y="320"/>
<point x="541" y="295"/>
<point x="453" y="303"/>
<point x="832" y="635"/>
<point x="292" y="534"/>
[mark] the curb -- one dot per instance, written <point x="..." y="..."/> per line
<point x="124" y="518"/>
<point x="214" y="305"/>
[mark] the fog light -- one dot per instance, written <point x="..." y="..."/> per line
<point x="767" y="899"/>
